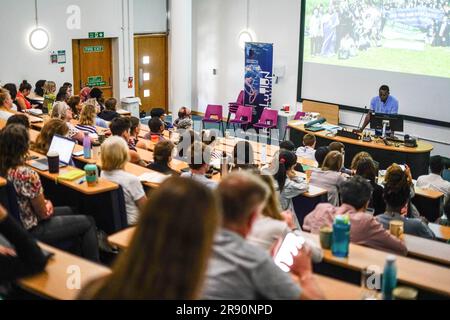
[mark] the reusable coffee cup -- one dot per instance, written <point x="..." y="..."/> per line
<point x="396" y="228"/>
<point x="91" y="174"/>
<point x="325" y="237"/>
<point x="53" y="162"/>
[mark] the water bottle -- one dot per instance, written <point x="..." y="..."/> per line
<point x="341" y="236"/>
<point x="389" y="278"/>
<point x="86" y="146"/>
<point x="263" y="153"/>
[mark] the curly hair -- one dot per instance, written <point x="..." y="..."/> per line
<point x="397" y="190"/>
<point x="14" y="144"/>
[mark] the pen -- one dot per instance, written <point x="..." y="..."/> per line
<point x="81" y="181"/>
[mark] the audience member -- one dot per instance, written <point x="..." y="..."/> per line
<point x="365" y="230"/>
<point x="240" y="270"/>
<point x="396" y="194"/>
<point x="162" y="156"/>
<point x="184" y="120"/>
<point x="114" y="155"/>
<point x="198" y="160"/>
<point x="168" y="255"/>
<point x="46" y="223"/>
<point x="44" y="139"/>
<point x="330" y="176"/>
<point x="434" y="180"/>
<point x="26" y="258"/>
<point x="308" y="150"/>
<point x="109" y="112"/>
<point x="21" y="98"/>
<point x="287" y="183"/>
<point x="19" y="119"/>
<point x="121" y="127"/>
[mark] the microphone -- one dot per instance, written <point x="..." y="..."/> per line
<point x="362" y="116"/>
<point x="311" y="123"/>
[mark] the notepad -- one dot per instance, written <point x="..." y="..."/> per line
<point x="71" y="175"/>
<point x="153" y="177"/>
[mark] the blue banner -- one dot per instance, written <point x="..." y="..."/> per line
<point x="258" y="74"/>
<point x="419" y="17"/>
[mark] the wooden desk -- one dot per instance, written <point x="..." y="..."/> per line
<point x="338" y="290"/>
<point x="430" y="250"/>
<point x="416" y="158"/>
<point x="410" y="272"/>
<point x="441" y="232"/>
<point x="333" y="289"/>
<point x="122" y="238"/>
<point x="102" y="186"/>
<point x="52" y="283"/>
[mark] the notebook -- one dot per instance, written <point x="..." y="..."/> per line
<point x="153" y="177"/>
<point x="64" y="146"/>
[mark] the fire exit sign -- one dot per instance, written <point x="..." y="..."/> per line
<point x="96" y="35"/>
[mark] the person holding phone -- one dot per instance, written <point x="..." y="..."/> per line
<point x="240" y="270"/>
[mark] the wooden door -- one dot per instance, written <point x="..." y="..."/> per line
<point x="92" y="65"/>
<point x="150" y="67"/>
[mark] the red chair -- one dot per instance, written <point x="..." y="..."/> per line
<point x="244" y="115"/>
<point x="213" y="114"/>
<point x="268" y="120"/>
<point x="233" y="106"/>
<point x="299" y="115"/>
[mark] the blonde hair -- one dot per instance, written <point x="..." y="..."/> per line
<point x="59" y="110"/>
<point x="273" y="207"/>
<point x="87" y="115"/>
<point x="49" y="87"/>
<point x="4" y="94"/>
<point x="95" y="103"/>
<point x="114" y="153"/>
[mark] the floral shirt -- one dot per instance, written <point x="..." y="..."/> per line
<point x="28" y="186"/>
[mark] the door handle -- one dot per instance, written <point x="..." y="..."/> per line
<point x="141" y="77"/>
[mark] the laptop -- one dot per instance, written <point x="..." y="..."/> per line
<point x="64" y="146"/>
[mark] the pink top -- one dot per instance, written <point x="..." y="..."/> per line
<point x="364" y="230"/>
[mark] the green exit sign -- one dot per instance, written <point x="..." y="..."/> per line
<point x="91" y="49"/>
<point x="96" y="35"/>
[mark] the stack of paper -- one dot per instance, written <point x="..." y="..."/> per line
<point x="153" y="177"/>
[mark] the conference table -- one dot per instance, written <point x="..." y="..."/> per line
<point x="416" y="158"/>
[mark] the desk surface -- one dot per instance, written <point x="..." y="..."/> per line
<point x="102" y="186"/>
<point x="422" y="146"/>
<point x="441" y="232"/>
<point x="333" y="289"/>
<point x="52" y="283"/>
<point x="430" y="250"/>
<point x="411" y="272"/>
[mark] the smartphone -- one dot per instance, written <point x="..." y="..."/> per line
<point x="290" y="246"/>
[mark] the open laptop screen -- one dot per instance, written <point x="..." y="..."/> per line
<point x="64" y="147"/>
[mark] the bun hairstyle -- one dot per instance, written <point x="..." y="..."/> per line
<point x="286" y="159"/>
<point x="24" y="86"/>
<point x="397" y="190"/>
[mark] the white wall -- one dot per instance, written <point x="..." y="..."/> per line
<point x="150" y="16"/>
<point x="19" y="61"/>
<point x="216" y="25"/>
<point x="180" y="54"/>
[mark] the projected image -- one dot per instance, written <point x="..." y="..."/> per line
<point x="411" y="36"/>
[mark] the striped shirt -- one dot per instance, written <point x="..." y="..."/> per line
<point x="87" y="128"/>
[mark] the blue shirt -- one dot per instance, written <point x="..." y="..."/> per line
<point x="388" y="107"/>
